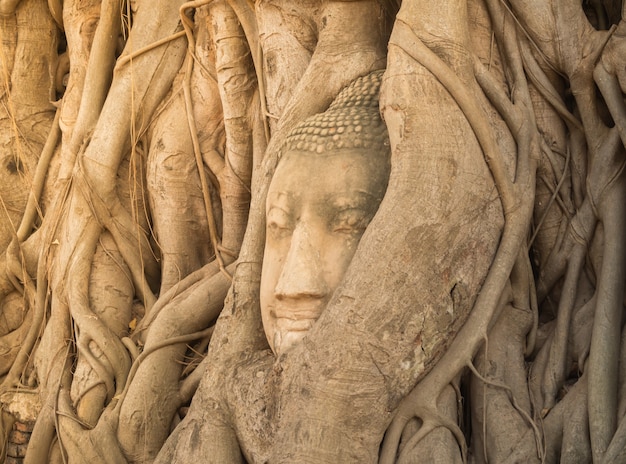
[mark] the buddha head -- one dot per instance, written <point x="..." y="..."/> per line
<point x="328" y="184"/>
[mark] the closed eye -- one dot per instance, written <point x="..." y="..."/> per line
<point x="276" y="227"/>
<point x="350" y="221"/>
<point x="279" y="223"/>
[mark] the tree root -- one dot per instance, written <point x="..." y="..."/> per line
<point x="237" y="84"/>
<point x="606" y="336"/>
<point x="616" y="451"/>
<point x="97" y="446"/>
<point x="188" y="25"/>
<point x="116" y="99"/>
<point x="556" y="370"/>
<point x="166" y="300"/>
<point x="524" y="414"/>
<point x="517" y="200"/>
<point x="8" y="7"/>
<point x="431" y="420"/>
<point x="165" y="345"/>
<point x="33" y="206"/>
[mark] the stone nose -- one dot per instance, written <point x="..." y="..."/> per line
<point x="302" y="275"/>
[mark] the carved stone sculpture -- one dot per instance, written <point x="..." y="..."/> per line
<point x="330" y="179"/>
<point x="326" y="189"/>
<point x="169" y="271"/>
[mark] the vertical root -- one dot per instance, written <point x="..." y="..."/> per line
<point x="616" y="450"/>
<point x="431" y="421"/>
<point x="556" y="370"/>
<point x="605" y="339"/>
<point x="517" y="202"/>
<point x="193" y="130"/>
<point x="514" y="403"/>
<point x="32" y="207"/>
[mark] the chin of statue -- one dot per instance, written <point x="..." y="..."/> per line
<point x="285" y="338"/>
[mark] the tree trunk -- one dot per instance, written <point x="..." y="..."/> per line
<point x="479" y="319"/>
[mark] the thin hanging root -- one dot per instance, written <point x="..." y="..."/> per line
<point x="432" y="420"/>
<point x="525" y="132"/>
<point x="165" y="343"/>
<point x="12" y="379"/>
<point x="246" y="17"/>
<point x="119" y="223"/>
<point x="15" y="266"/>
<point x="32" y="206"/>
<point x="516" y="406"/>
<point x="556" y="370"/>
<point x="79" y="443"/>
<point x="582" y="226"/>
<point x="193" y="130"/>
<point x="90" y="326"/>
<point x="553" y="198"/>
<point x="545" y="87"/>
<point x="202" y="274"/>
<point x="612" y="93"/>
<point x="123" y="60"/>
<point x="188" y="32"/>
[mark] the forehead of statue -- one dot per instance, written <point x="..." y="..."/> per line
<point x="338" y="162"/>
<point x="305" y="159"/>
<point x="333" y="177"/>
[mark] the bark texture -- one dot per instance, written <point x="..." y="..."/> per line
<point x="481" y="318"/>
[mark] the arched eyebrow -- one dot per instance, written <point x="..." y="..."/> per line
<point x="356" y="199"/>
<point x="280" y="208"/>
<point x="280" y="200"/>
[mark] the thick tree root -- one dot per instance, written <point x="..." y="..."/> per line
<point x="515" y="198"/>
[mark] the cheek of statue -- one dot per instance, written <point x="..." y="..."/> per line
<point x="313" y="229"/>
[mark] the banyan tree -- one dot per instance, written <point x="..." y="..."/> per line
<point x="318" y="231"/>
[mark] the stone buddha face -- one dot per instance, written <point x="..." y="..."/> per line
<point x="318" y="207"/>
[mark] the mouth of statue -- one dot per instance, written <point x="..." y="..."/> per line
<point x="295" y="311"/>
<point x="296" y="319"/>
<point x="291" y="319"/>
